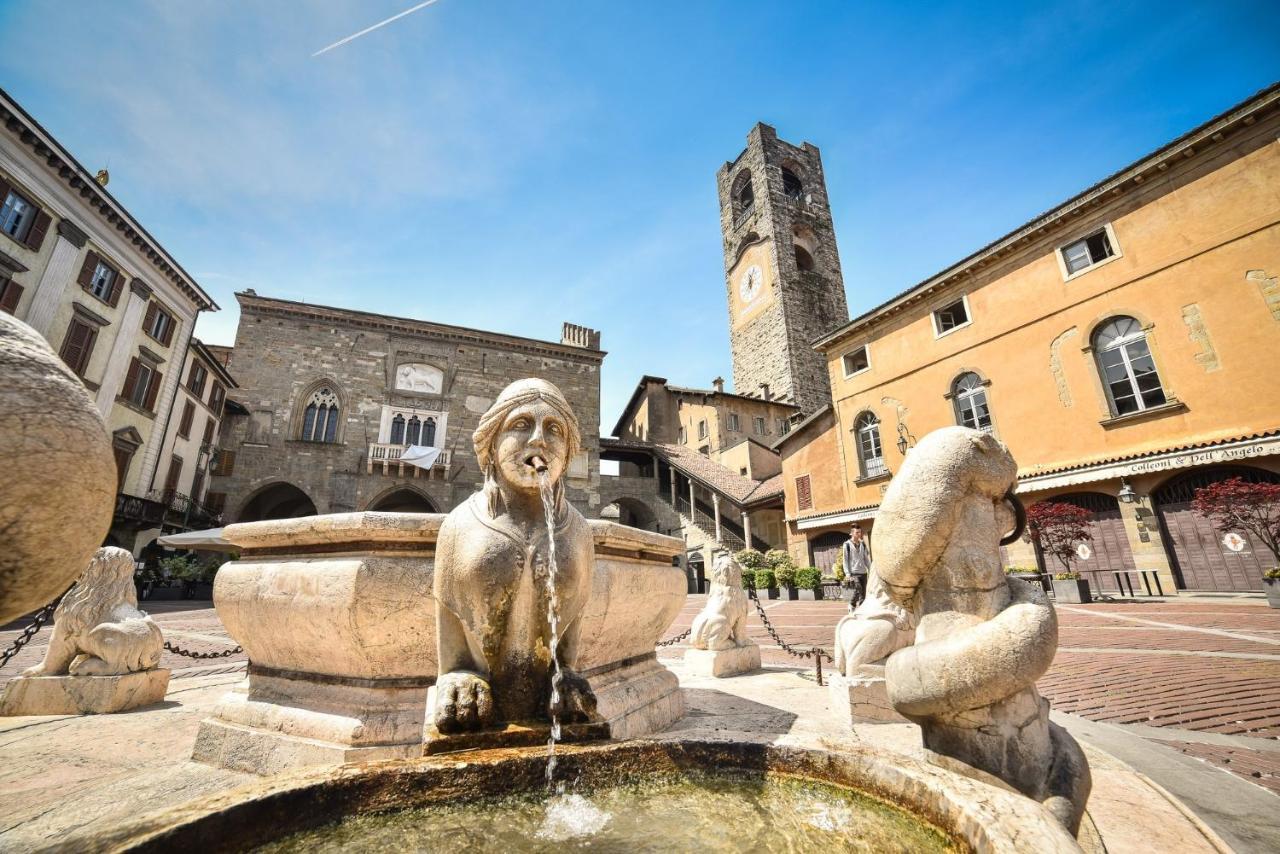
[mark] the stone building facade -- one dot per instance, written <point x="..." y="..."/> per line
<point x="782" y="269"/>
<point x="1122" y="345"/>
<point x="77" y="267"/>
<point x="331" y="398"/>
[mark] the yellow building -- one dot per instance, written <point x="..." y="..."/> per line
<point x="1125" y="346"/>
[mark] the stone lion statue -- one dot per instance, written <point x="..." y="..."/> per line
<point x="983" y="639"/>
<point x="493" y="558"/>
<point x="98" y="629"/>
<point x="721" y="624"/>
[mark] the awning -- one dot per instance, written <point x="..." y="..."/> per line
<point x="209" y="540"/>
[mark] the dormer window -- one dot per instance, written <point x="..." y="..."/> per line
<point x="951" y="317"/>
<point x="1088" y="251"/>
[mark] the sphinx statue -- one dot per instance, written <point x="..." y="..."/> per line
<point x="493" y="557"/>
<point x="98" y="631"/>
<point x="982" y="639"/>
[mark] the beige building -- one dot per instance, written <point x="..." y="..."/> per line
<point x="1123" y="345"/>
<point x="78" y="268"/>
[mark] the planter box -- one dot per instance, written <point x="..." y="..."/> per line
<point x="773" y="592"/>
<point x="1073" y="590"/>
<point x="811" y="595"/>
<point x="1273" y="591"/>
<point x="792" y="593"/>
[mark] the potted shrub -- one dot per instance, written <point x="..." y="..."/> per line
<point x="809" y="580"/>
<point x="185" y="570"/>
<point x="767" y="581"/>
<point x="1070" y="587"/>
<point x="786" y="577"/>
<point x="748" y="579"/>
<point x="1235" y="504"/>
<point x="1272" y="582"/>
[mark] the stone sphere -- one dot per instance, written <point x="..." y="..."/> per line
<point x="57" y="491"/>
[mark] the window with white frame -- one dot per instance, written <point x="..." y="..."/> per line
<point x="1087" y="251"/>
<point x="104" y="276"/>
<point x="1128" y="370"/>
<point x="784" y="426"/>
<point x="870" y="453"/>
<point x="406" y="426"/>
<point x="969" y="395"/>
<point x="702" y="429"/>
<point x="856" y="361"/>
<point x="16" y="216"/>
<point x="734" y="426"/>
<point x="758" y="424"/>
<point x="951" y="316"/>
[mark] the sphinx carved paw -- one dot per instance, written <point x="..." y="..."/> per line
<point x="464" y="702"/>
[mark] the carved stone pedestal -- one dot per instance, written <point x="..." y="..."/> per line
<point x="83" y="695"/>
<point x="862" y="698"/>
<point x="722" y="662"/>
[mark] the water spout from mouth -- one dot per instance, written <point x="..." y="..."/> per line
<point x="539" y="464"/>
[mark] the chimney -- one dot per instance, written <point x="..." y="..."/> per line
<point x="764" y="392"/>
<point x="579" y="336"/>
<point x="718" y="383"/>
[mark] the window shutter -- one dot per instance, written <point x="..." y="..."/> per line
<point x="168" y="330"/>
<point x="804" y="493"/>
<point x="5" y="187"/>
<point x="117" y="288"/>
<point x="131" y="379"/>
<point x="76" y="346"/>
<point x="188" y="415"/>
<point x="150" y="319"/>
<point x="85" y="279"/>
<point x="152" y="390"/>
<point x="10" y="294"/>
<point x="226" y="464"/>
<point x="35" y="237"/>
<point x="208" y="432"/>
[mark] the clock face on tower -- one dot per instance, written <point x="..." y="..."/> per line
<point x="749" y="284"/>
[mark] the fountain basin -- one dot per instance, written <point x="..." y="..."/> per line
<point x="966" y="813"/>
<point x="337" y="617"/>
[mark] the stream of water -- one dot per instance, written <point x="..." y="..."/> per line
<point x="553" y="620"/>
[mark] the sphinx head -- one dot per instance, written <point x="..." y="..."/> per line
<point x="528" y="431"/>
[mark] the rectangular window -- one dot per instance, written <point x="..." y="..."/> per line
<point x="1087" y="251"/>
<point x="208" y="431"/>
<point x="196" y="380"/>
<point x="216" y="397"/>
<point x="680" y="437"/>
<point x="804" y="493"/>
<point x="103" y="279"/>
<point x="188" y="415"/>
<point x="951" y="317"/>
<point x="77" y="346"/>
<point x="758" y="424"/>
<point x="856" y="362"/>
<point x="16" y="216"/>
<point x="141" y="385"/>
<point x="175" y="475"/>
<point x="734" y="426"/>
<point x="702" y="429"/>
<point x="784" y="426"/>
<point x="158" y="324"/>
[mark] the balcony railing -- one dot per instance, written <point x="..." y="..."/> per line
<point x="387" y="455"/>
<point x="139" y="511"/>
<point x="183" y="511"/>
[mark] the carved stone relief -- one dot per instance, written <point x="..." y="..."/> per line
<point x="1199" y="335"/>
<point x="1055" y="366"/>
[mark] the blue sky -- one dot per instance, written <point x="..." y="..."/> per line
<point x="510" y="165"/>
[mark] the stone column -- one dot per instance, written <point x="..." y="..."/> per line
<point x="655" y="469"/>
<point x="715" y="503"/>
<point x="164" y="401"/>
<point x="122" y="347"/>
<point x="746" y="528"/>
<point x="58" y="275"/>
<point x="674" y="506"/>
<point x="693" y="506"/>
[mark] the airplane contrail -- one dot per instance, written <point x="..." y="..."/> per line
<point x="368" y="30"/>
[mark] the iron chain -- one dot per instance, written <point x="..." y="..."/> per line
<point x="226" y="653"/>
<point x="676" y="639"/>
<point x="30" y="631"/>
<point x="817" y="653"/>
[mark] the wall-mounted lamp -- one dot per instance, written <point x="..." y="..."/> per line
<point x="1127" y="495"/>
<point x="903" y="436"/>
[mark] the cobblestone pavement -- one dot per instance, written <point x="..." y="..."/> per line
<point x="1202" y="677"/>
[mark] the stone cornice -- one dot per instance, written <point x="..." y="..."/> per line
<point x="140" y="288"/>
<point x="252" y="303"/>
<point x="1193" y="145"/>
<point x="27" y="131"/>
<point x="13" y="265"/>
<point x="72" y="232"/>
<point x="85" y="313"/>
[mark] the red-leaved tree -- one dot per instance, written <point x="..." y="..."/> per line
<point x="1057" y="528"/>
<point x="1235" y="504"/>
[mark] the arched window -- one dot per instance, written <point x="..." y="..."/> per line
<point x="397" y="430"/>
<point x="870" y="455"/>
<point x="792" y="186"/>
<point x="414" y="431"/>
<point x="1128" y="371"/>
<point x="320" y="418"/>
<point x="969" y="394"/>
<point x="429" y="432"/>
<point x="743" y="196"/>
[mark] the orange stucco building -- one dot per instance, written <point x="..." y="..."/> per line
<point x="1125" y="345"/>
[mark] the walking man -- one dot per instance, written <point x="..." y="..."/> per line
<point x="857" y="563"/>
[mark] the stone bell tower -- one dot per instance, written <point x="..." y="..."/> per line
<point x="782" y="269"/>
